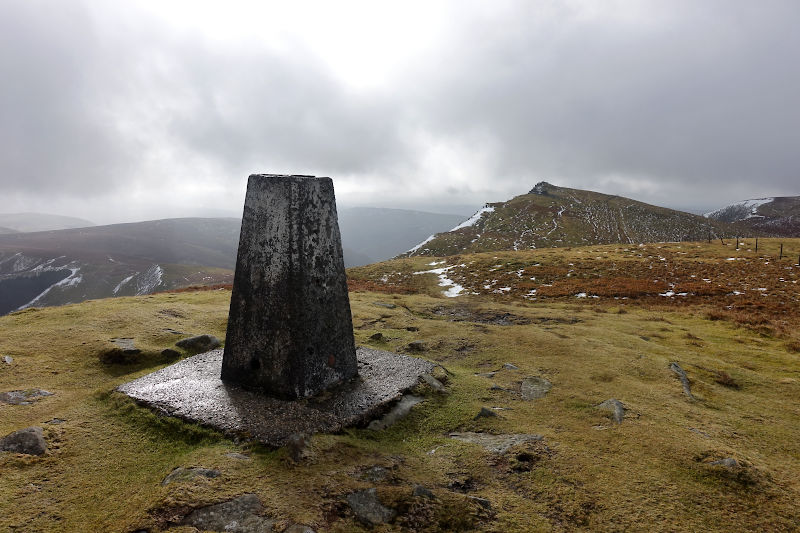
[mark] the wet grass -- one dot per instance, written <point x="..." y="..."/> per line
<point x="106" y="461"/>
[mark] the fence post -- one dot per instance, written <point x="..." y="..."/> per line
<point x="781" y="255"/>
<point x="756" y="244"/>
<point x="737" y="242"/>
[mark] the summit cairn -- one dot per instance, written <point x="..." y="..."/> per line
<point x="290" y="332"/>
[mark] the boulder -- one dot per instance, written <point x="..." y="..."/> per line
<point x="199" y="343"/>
<point x="369" y="509"/>
<point x="240" y="515"/>
<point x="485" y="412"/>
<point x="23" y="397"/>
<point x="28" y="441"/>
<point x="495" y="443"/>
<point x="534" y="387"/>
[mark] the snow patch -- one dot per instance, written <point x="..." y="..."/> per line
<point x="474" y="218"/>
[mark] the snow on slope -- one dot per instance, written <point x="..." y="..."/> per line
<point x="740" y="210"/>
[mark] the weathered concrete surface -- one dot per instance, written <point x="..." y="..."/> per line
<point x="290" y="333"/>
<point x="192" y="390"/>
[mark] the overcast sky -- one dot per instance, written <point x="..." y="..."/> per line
<point x="117" y="111"/>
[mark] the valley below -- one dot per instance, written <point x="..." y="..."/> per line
<point x="599" y="388"/>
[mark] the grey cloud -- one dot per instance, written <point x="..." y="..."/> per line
<point x="699" y="96"/>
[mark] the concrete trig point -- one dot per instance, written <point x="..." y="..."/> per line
<point x="290" y="332"/>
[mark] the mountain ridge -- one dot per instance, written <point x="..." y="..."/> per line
<point x="552" y="216"/>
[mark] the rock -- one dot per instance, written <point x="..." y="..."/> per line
<point x="23" y="397"/>
<point x="169" y="353"/>
<point x="126" y="345"/>
<point x="377" y="336"/>
<point x="616" y="407"/>
<point x="181" y="474"/>
<point x="485" y="412"/>
<point x="28" y="441"/>
<point x="382" y="304"/>
<point x="199" y="343"/>
<point x="483" y="502"/>
<point x="416" y="346"/>
<point x="398" y="412"/>
<point x="486" y="374"/>
<point x="239" y="515"/>
<point x="422" y="492"/>
<point x="509" y="366"/>
<point x="375" y="474"/>
<point x="412" y="328"/>
<point x="55" y="421"/>
<point x="728" y="462"/>
<point x="434" y="383"/>
<point x="297" y="447"/>
<point x="369" y="509"/>
<point x="534" y="387"/>
<point x="676" y="368"/>
<point x="237" y="455"/>
<point x="495" y="443"/>
<point x="298" y="528"/>
<point x="7" y="359"/>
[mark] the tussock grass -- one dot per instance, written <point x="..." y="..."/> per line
<point x="106" y="461"/>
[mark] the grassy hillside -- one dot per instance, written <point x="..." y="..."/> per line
<point x="551" y="216"/>
<point x="778" y="216"/>
<point x="107" y="459"/>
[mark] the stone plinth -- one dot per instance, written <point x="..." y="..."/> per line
<point x="192" y="390"/>
<point x="290" y="333"/>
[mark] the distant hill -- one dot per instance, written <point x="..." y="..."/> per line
<point x="72" y="265"/>
<point x="378" y="233"/>
<point x="25" y="222"/>
<point x="776" y="216"/>
<point x="5" y="231"/>
<point x="551" y="216"/>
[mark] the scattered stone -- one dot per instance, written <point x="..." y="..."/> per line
<point x="369" y="509"/>
<point x="383" y="304"/>
<point x="126" y="345"/>
<point x="483" y="502"/>
<point x="7" y="359"/>
<point x="486" y="374"/>
<point x="237" y="455"/>
<point x="728" y="462"/>
<point x="298" y="528"/>
<point x="169" y="353"/>
<point x="422" y="492"/>
<point x="55" y="421"/>
<point x="23" y="397"/>
<point x="199" y="343"/>
<point x="240" y="515"/>
<point x="434" y="383"/>
<point x="675" y="367"/>
<point x="485" y="412"/>
<point x="416" y="346"/>
<point x="29" y="441"/>
<point x="699" y="432"/>
<point x="497" y="387"/>
<point x="412" y="328"/>
<point x="174" y="331"/>
<point x="509" y="366"/>
<point x="495" y="443"/>
<point x="398" y="412"/>
<point x="616" y="407"/>
<point x="182" y="475"/>
<point x="297" y="447"/>
<point x="377" y="336"/>
<point x="375" y="474"/>
<point x="534" y="387"/>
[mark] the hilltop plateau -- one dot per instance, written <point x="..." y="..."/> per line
<point x="603" y="388"/>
